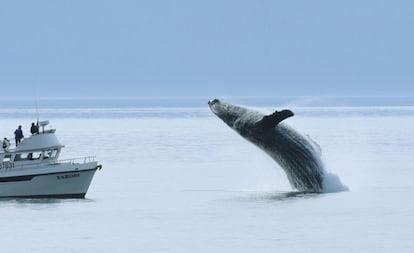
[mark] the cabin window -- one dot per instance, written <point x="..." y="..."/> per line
<point x="28" y="156"/>
<point x="51" y="153"/>
<point x="54" y="153"/>
<point x="7" y="158"/>
<point x="36" y="155"/>
<point x="21" y="157"/>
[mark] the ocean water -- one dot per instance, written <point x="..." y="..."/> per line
<point x="177" y="179"/>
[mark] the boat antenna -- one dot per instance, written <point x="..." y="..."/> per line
<point x="37" y="109"/>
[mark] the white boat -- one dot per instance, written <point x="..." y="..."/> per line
<point x="32" y="169"/>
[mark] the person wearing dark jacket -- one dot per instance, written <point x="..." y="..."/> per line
<point x="18" y="135"/>
<point x="34" y="129"/>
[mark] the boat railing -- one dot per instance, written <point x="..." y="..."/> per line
<point x="12" y="165"/>
<point x="86" y="159"/>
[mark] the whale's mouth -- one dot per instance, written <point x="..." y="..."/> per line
<point x="213" y="101"/>
<point x="214" y="105"/>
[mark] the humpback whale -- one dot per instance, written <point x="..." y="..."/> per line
<point x="298" y="156"/>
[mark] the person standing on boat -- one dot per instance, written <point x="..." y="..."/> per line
<point x="34" y="129"/>
<point x="6" y="144"/>
<point x="18" y="135"/>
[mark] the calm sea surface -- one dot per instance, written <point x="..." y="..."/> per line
<point x="177" y="179"/>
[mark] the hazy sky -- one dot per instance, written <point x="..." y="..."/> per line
<point x="206" y="48"/>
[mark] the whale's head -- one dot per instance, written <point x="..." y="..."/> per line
<point x="233" y="115"/>
<point x="247" y="122"/>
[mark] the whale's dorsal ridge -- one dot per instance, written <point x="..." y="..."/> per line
<point x="271" y="120"/>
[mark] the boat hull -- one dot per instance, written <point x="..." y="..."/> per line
<point x="63" y="184"/>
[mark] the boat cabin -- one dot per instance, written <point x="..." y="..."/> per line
<point x="37" y="148"/>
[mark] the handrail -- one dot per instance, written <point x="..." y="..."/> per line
<point x="47" y="162"/>
<point x="72" y="160"/>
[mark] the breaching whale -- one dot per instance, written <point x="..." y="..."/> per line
<point x="298" y="156"/>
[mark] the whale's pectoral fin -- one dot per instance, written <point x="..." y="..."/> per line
<point x="270" y="121"/>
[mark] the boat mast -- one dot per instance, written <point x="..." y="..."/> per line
<point x="37" y="110"/>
